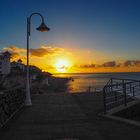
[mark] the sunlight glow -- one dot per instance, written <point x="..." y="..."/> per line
<point x="62" y="65"/>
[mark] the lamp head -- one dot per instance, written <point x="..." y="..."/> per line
<point x="43" y="27"/>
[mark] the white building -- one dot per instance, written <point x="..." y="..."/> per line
<point x="22" y="66"/>
<point x="18" y="64"/>
<point x="5" y="66"/>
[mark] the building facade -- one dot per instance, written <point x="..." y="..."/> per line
<point x="5" y="66"/>
<point x="18" y="65"/>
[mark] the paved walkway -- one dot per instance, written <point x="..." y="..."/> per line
<point x="66" y="117"/>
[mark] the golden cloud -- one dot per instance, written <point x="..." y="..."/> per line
<point x="130" y="63"/>
<point x="111" y="64"/>
<point x="38" y="52"/>
<point x="45" y="50"/>
<point x="16" y="53"/>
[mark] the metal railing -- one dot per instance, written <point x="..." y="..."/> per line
<point x="10" y="102"/>
<point x="91" y="89"/>
<point x="119" y="91"/>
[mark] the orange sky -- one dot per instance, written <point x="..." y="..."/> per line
<point x="57" y="59"/>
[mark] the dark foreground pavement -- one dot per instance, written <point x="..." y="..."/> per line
<point x="66" y="117"/>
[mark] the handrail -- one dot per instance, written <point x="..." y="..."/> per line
<point x="125" y="79"/>
<point x="119" y="89"/>
<point x="117" y="84"/>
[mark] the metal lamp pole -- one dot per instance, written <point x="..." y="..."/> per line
<point x="41" y="28"/>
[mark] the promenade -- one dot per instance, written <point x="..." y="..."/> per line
<point x="66" y="117"/>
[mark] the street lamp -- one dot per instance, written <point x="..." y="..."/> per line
<point x="41" y="28"/>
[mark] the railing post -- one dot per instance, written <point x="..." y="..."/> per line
<point x="133" y="91"/>
<point x="115" y="96"/>
<point x="111" y="80"/>
<point x="124" y="92"/>
<point x="123" y="81"/>
<point x="117" y="85"/>
<point x="130" y="88"/>
<point x="104" y="99"/>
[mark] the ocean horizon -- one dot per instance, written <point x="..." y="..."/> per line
<point x="96" y="81"/>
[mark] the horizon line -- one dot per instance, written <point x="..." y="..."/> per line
<point x="94" y="72"/>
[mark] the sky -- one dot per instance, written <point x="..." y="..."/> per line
<point x="85" y="35"/>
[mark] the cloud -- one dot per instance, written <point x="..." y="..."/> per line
<point x="129" y="63"/>
<point x="15" y="49"/>
<point x="45" y="50"/>
<point x="87" y="66"/>
<point x="105" y="64"/>
<point x="16" y="52"/>
<point x="109" y="64"/>
<point x="38" y="52"/>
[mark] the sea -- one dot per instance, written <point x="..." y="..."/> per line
<point x="94" y="81"/>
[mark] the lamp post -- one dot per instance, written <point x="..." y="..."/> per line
<point x="41" y="28"/>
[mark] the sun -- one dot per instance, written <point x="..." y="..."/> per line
<point x="62" y="65"/>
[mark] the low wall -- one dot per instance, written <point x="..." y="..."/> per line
<point x="10" y="101"/>
<point x="132" y="112"/>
